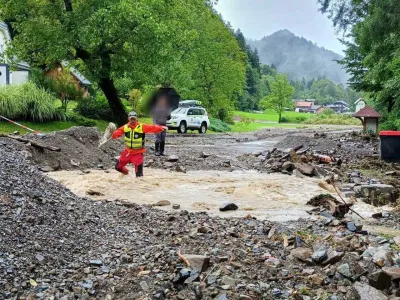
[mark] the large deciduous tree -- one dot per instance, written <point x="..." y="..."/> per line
<point x="217" y="65"/>
<point x="105" y="39"/>
<point x="281" y="95"/>
<point x="372" y="47"/>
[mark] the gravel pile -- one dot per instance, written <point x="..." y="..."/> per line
<point x="54" y="245"/>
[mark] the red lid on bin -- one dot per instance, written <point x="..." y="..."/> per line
<point x="389" y="133"/>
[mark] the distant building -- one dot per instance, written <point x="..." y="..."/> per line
<point x="304" y="105"/>
<point x="314" y="109"/>
<point x="21" y="74"/>
<point x="360" y="104"/>
<point x="339" y="107"/>
<point x="80" y="82"/>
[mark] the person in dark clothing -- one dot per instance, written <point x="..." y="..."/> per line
<point x="161" y="114"/>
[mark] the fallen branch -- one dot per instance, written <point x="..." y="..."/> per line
<point x="340" y="196"/>
<point x="183" y="258"/>
<point x="205" y="278"/>
<point x="33" y="143"/>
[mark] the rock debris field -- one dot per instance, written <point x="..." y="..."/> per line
<point x="57" y="245"/>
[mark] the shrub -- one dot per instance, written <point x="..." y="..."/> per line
<point x="293" y="119"/>
<point x="217" y="125"/>
<point x="27" y="102"/>
<point x="95" y="108"/>
<point x="81" y="121"/>
<point x="335" y="119"/>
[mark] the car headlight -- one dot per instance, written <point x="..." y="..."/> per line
<point x="174" y="117"/>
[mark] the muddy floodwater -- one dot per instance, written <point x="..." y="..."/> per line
<point x="275" y="197"/>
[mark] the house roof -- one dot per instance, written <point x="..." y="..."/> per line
<point x="77" y="75"/>
<point x="367" y="112"/>
<point x="341" y="102"/>
<point x="304" y="104"/>
<point x="315" y="107"/>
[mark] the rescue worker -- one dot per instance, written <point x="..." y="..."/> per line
<point x="161" y="114"/>
<point x="134" y="136"/>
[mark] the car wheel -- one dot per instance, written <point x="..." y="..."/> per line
<point x="182" y="127"/>
<point x="203" y="128"/>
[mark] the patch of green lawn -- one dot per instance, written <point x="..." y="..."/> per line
<point x="271" y="115"/>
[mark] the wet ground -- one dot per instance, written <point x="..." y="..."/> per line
<point x="275" y="197"/>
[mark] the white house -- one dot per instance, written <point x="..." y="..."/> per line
<point x="360" y="104"/>
<point x="21" y="74"/>
<point x="8" y="76"/>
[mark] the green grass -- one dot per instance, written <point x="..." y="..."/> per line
<point x="6" y="127"/>
<point x="241" y="127"/>
<point x="270" y="115"/>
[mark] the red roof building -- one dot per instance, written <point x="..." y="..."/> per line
<point x="369" y="118"/>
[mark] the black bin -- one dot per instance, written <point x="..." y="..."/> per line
<point x="390" y="145"/>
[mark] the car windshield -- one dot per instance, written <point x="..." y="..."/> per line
<point x="179" y="111"/>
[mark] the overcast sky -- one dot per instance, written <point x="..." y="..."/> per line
<point x="258" y="18"/>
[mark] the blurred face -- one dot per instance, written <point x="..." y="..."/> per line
<point x="163" y="101"/>
<point x="132" y="120"/>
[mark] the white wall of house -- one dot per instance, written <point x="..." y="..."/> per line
<point x="18" y="77"/>
<point x="370" y="125"/>
<point x="360" y="105"/>
<point x="14" y="77"/>
<point x="3" y="75"/>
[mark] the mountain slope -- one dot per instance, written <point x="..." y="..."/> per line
<point x="299" y="57"/>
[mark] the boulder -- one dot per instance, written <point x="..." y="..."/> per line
<point x="376" y="194"/>
<point x="199" y="263"/>
<point x="162" y="203"/>
<point x="360" y="291"/>
<point x="298" y="174"/>
<point x="380" y="280"/>
<point x="344" y="270"/>
<point x="173" y="158"/>
<point x="228" y="207"/>
<point x="305" y="169"/>
<point x="302" y="254"/>
<point x="319" y="256"/>
<point x="393" y="272"/>
<point x="226" y="280"/>
<point x="288" y="166"/>
<point x="333" y="257"/>
<point x="383" y="258"/>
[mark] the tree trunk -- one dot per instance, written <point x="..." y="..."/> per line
<point x="111" y="93"/>
<point x="280" y="117"/>
<point x="391" y="103"/>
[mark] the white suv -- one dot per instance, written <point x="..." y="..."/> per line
<point x="189" y="117"/>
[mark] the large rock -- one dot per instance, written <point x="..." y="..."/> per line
<point x="228" y="207"/>
<point x="173" y="158"/>
<point x="361" y="291"/>
<point x="383" y="258"/>
<point x="302" y="254"/>
<point x="288" y="166"/>
<point x="376" y="194"/>
<point x="226" y="280"/>
<point x="344" y="270"/>
<point x="393" y="272"/>
<point x="198" y="262"/>
<point x="380" y="280"/>
<point x="305" y="169"/>
<point x="333" y="257"/>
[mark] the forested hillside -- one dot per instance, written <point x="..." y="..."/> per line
<point x="298" y="57"/>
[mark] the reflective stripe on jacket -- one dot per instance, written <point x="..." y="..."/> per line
<point x="134" y="138"/>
